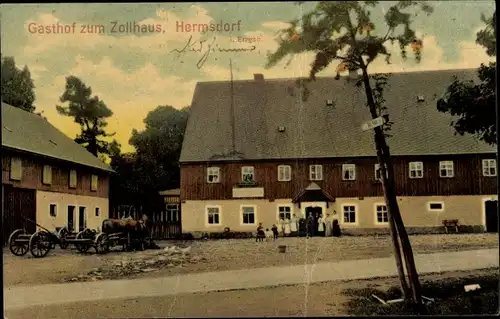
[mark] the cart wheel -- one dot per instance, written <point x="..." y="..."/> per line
<point x="102" y="244"/>
<point x="40" y="244"/>
<point x="82" y="247"/>
<point x="18" y="248"/>
<point x="62" y="235"/>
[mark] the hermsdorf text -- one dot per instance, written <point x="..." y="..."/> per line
<point x="181" y="26"/>
<point x="111" y="27"/>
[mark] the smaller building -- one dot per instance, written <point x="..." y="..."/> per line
<point x="48" y="178"/>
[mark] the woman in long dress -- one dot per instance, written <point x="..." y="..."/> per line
<point x="321" y="226"/>
<point x="328" y="225"/>
<point x="294" y="227"/>
<point x="310" y="225"/>
<point x="281" y="226"/>
<point x="287" y="227"/>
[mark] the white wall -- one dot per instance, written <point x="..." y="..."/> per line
<point x="63" y="200"/>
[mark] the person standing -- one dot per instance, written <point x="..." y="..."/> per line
<point x="310" y="225"/>
<point x="287" y="227"/>
<point x="328" y="225"/>
<point x="294" y="225"/>
<point x="281" y="226"/>
<point x="321" y="226"/>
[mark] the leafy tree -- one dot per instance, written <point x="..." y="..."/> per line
<point x="342" y="32"/>
<point x="87" y="111"/>
<point x="17" y="85"/>
<point x="154" y="166"/>
<point x="474" y="102"/>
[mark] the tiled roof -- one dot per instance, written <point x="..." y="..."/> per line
<point x="31" y="133"/>
<point x="313" y="129"/>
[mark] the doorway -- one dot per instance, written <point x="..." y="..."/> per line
<point x="315" y="211"/>
<point x="82" y="218"/>
<point x="491" y="212"/>
<point x="70" y="221"/>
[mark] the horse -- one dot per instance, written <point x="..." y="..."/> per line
<point x="135" y="229"/>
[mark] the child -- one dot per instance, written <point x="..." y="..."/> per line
<point x="275" y="231"/>
<point x="260" y="233"/>
<point x="269" y="234"/>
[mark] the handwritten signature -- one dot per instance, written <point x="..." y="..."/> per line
<point x="192" y="46"/>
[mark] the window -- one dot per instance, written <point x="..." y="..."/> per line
<point x="213" y="215"/>
<point x="284" y="173"/>
<point x="348" y="172"/>
<point x="53" y="210"/>
<point x="446" y="169"/>
<point x="416" y="169"/>
<point x="173" y="213"/>
<point x="97" y="212"/>
<point x="213" y="175"/>
<point x="436" y="207"/>
<point x="16" y="168"/>
<point x="47" y="175"/>
<point x="247" y="174"/>
<point x="489" y="167"/>
<point x="284" y="212"/>
<point x="248" y="214"/>
<point x="315" y="172"/>
<point x="349" y="214"/>
<point x="382" y="216"/>
<point x="72" y="179"/>
<point x="378" y="172"/>
<point x="93" y="182"/>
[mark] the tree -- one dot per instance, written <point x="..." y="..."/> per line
<point x="17" y="85"/>
<point x="155" y="164"/>
<point x="342" y="32"/>
<point x="475" y="103"/>
<point x="88" y="112"/>
<point x="159" y="145"/>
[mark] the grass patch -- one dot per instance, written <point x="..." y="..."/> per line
<point x="449" y="295"/>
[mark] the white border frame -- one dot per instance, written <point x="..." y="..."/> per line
<point x="205" y="215"/>
<point x="208" y="174"/>
<point x="356" y="214"/>
<point x="435" y="210"/>
<point x="254" y="212"/>
<point x="285" y="180"/>
<point x="452" y="169"/>
<point x="310" y="172"/>
<point x="495" y="165"/>
<point x="344" y="168"/>
<point x="57" y="210"/>
<point x="409" y="170"/>
<point x="375" y="213"/>
<point x="278" y="205"/>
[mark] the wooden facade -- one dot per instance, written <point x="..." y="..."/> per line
<point x="32" y="173"/>
<point x="468" y="178"/>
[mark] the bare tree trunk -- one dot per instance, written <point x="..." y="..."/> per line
<point x="390" y="196"/>
<point x="394" y="234"/>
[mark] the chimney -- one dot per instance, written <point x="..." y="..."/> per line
<point x="258" y="77"/>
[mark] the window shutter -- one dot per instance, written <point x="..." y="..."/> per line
<point x="47" y="175"/>
<point x="93" y="183"/>
<point x="16" y="169"/>
<point x="72" y="178"/>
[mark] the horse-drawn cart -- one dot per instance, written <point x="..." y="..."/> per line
<point x="39" y="243"/>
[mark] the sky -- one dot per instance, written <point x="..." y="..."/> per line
<point x="133" y="73"/>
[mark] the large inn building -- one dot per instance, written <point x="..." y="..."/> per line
<point x="255" y="151"/>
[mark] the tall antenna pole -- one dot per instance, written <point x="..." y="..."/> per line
<point x="233" y="139"/>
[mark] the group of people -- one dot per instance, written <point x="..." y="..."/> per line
<point x="315" y="226"/>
